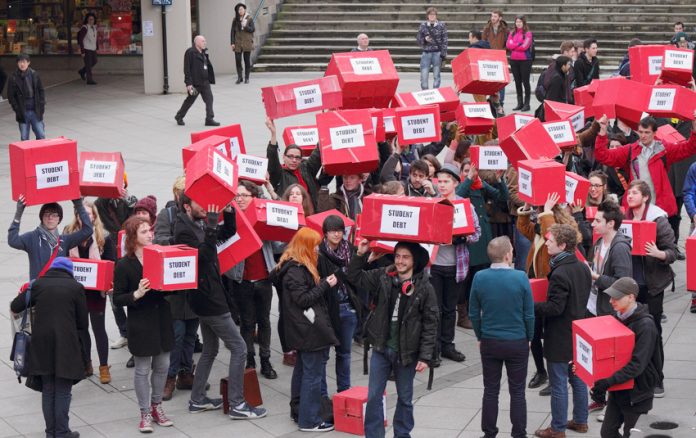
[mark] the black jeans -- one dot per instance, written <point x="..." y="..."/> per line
<point x="655" y="308"/>
<point x="207" y="95"/>
<point x="514" y="354"/>
<point x="443" y="279"/>
<point x="619" y="411"/>
<point x="538" y="346"/>
<point x="521" y="71"/>
<point x="254" y="301"/>
<point x="247" y="63"/>
<point x="55" y="403"/>
<point x="90" y="60"/>
<point x="675" y="221"/>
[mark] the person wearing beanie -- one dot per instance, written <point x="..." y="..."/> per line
<point x="56" y="356"/>
<point x="402" y="329"/>
<point x="147" y="208"/>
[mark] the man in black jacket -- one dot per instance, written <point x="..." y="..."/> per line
<point x="587" y="65"/>
<point x="402" y="329"/>
<point x="627" y="405"/>
<point x="198" y="75"/>
<point x="26" y="95"/>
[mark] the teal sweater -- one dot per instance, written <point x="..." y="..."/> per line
<point x="501" y="305"/>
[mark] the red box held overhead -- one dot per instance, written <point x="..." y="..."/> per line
<point x="667" y="134"/>
<point x="677" y="66"/>
<point x="509" y="124"/>
<point x="252" y="168"/>
<point x="211" y="179"/>
<point x="377" y="116"/>
<point x="621" y="98"/>
<point x="418" y="124"/>
<point x="316" y="221"/>
<point x="367" y="79"/>
<point x="672" y="101"/>
<point x="488" y="157"/>
<point x="537" y="179"/>
<point x="302" y="97"/>
<point x="445" y="98"/>
<point x="646" y="62"/>
<point x="576" y="188"/>
<point x="218" y="142"/>
<point x="306" y="137"/>
<point x="557" y="111"/>
<point x="475" y="118"/>
<point x="562" y="133"/>
<point x="101" y="174"/>
<point x="94" y="274"/>
<point x="169" y="268"/>
<point x="275" y="220"/>
<point x="347" y="142"/>
<point x="481" y="71"/>
<point x="531" y="142"/>
<point x="240" y="246"/>
<point x="232" y="132"/>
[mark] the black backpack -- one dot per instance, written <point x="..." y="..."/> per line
<point x="540" y="90"/>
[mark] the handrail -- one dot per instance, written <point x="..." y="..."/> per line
<point x="257" y="10"/>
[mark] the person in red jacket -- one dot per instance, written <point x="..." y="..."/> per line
<point x="648" y="159"/>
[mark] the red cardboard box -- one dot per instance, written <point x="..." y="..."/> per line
<point x="667" y="133"/>
<point x="121" y="244"/>
<point x="509" y="124"/>
<point x="218" y="142"/>
<point x="530" y="142"/>
<point x="481" y="71"/>
<point x="621" y="98"/>
<point x="601" y="346"/>
<point x="584" y="97"/>
<point x="463" y="221"/>
<point x="488" y="157"/>
<point x="557" y="111"/>
<point x="302" y="97"/>
<point x="540" y="289"/>
<point x="387" y="247"/>
<point x="418" y="124"/>
<point x="445" y="98"/>
<point x="347" y="142"/>
<point x="101" y="174"/>
<point x="233" y="132"/>
<point x="388" y="116"/>
<point x="562" y="133"/>
<point x="672" y="101"/>
<point x="377" y="117"/>
<point x="94" y="274"/>
<point x="211" y="179"/>
<point x="368" y="79"/>
<point x="252" y="168"/>
<point x="240" y="246"/>
<point x="475" y="118"/>
<point x="251" y="391"/>
<point x="349" y="410"/>
<point x="691" y="263"/>
<point x="646" y="62"/>
<point x="316" y="221"/>
<point x="44" y="170"/>
<point x="640" y="233"/>
<point x="306" y="137"/>
<point x="677" y="66"/>
<point x="413" y="219"/>
<point x="538" y="179"/>
<point x="173" y="267"/>
<point x="275" y="220"/>
<point x="576" y="188"/>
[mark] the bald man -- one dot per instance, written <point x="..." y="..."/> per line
<point x="363" y="44"/>
<point x="198" y="75"/>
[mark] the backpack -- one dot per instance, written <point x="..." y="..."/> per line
<point x="540" y="90"/>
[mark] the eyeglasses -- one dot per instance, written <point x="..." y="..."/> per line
<point x="242" y="196"/>
<point x="294" y="157"/>
<point x="596" y="186"/>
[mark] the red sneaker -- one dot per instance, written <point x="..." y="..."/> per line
<point x="145" y="423"/>
<point x="596" y="406"/>
<point x="159" y="416"/>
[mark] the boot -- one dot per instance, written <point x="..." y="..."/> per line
<point x="267" y="369"/>
<point x="104" y="374"/>
<point x="246" y="77"/>
<point x="169" y="386"/>
<point x="464" y="321"/>
<point x="251" y="362"/>
<point x="526" y="107"/>
<point x="519" y="104"/>
<point x="239" y="77"/>
<point x="184" y="380"/>
<point x="88" y="369"/>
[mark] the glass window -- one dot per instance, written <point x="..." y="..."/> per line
<point x="118" y="25"/>
<point x="37" y="27"/>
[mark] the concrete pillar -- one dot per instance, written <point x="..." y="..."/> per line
<point x="178" y="18"/>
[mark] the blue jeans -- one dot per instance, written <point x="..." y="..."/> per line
<point x="55" y="403"/>
<point x="427" y="60"/>
<point x="522" y="248"/>
<point x="558" y="378"/>
<point x="349" y="321"/>
<point x="306" y="382"/>
<point x="501" y="94"/>
<point x="32" y="121"/>
<point x="181" y="356"/>
<point x="381" y="366"/>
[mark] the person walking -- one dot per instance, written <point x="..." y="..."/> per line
<point x="27" y="99"/>
<point x="87" y="40"/>
<point x="198" y="76"/>
<point x="519" y="43"/>
<point x="432" y="38"/>
<point x="242" y="41"/>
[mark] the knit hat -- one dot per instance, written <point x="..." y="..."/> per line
<point x="681" y="36"/>
<point x="51" y="206"/>
<point x="333" y="223"/>
<point x="63" y="263"/>
<point x="622" y="287"/>
<point x="420" y="255"/>
<point x="452" y="170"/>
<point x="149" y="204"/>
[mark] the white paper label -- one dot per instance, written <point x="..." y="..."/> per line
<point x="222" y="148"/>
<point x="307" y="97"/>
<point x="583" y="353"/>
<point x="99" y="171"/>
<point x="366" y="66"/>
<point x="52" y="175"/>
<point x="654" y="65"/>
<point x="426" y="97"/>
<point x="560" y="132"/>
<point x="482" y="111"/>
<point x="86" y="273"/>
<point x="627" y="230"/>
<point x="679" y="60"/>
<point x="374" y="124"/>
<point x="418" y="126"/>
<point x="343" y="137"/>
<point x="524" y="180"/>
<point x="492" y="158"/>
<point x="305" y="136"/>
<point x="235" y="148"/>
<point x="400" y="219"/>
<point x="223" y="168"/>
<point x="221" y="246"/>
<point x="662" y="99"/>
<point x="491" y="71"/>
<point x="252" y="167"/>
<point x="578" y="121"/>
<point x="281" y="215"/>
<point x="123" y="243"/>
<point x="571" y="184"/>
<point x="179" y="270"/>
<point x="460" y="219"/>
<point x="520" y="121"/>
<point x="389" y="124"/>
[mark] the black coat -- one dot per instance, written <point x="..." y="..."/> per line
<point x="150" y="329"/>
<point x="327" y="267"/>
<point x="59" y="322"/>
<point x="569" y="289"/>
<point x="585" y="70"/>
<point x="557" y="88"/>
<point x="282" y="178"/>
<point x="617" y="264"/>
<point x="16" y="95"/>
<point x="194" y="72"/>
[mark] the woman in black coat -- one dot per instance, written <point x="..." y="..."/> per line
<point x="150" y="329"/>
<point x="60" y="322"/>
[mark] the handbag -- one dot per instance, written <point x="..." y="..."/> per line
<point x="22" y="342"/>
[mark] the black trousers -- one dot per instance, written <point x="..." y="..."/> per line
<point x="655" y="308"/>
<point x="514" y="354"/>
<point x="207" y="95"/>
<point x="521" y="72"/>
<point x="675" y="220"/>
<point x="254" y="302"/>
<point x="619" y="411"/>
<point x="444" y="281"/>
<point x="247" y="63"/>
<point x="90" y="60"/>
<point x="537" y="346"/>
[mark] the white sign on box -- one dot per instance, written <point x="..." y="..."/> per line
<point x="662" y="99"/>
<point x="99" y="171"/>
<point x="223" y="168"/>
<point x="221" y="246"/>
<point x="460" y="220"/>
<point x="492" y="158"/>
<point x="343" y="137"/>
<point x="366" y="66"/>
<point x="571" y="184"/>
<point x="305" y="136"/>
<point x="400" y="219"/>
<point x="478" y="110"/>
<point x="235" y="148"/>
<point x="521" y="120"/>
<point x="491" y="71"/>
<point x="281" y="215"/>
<point x="654" y="65"/>
<point x="178" y="270"/>
<point x="418" y="126"/>
<point x="560" y="132"/>
<point x="307" y="97"/>
<point x="679" y="59"/>
<point x="50" y="175"/>
<point x="252" y="167"/>
<point x="627" y="230"/>
<point x="389" y="124"/>
<point x="524" y="181"/>
<point x="578" y="121"/>
<point x="86" y="273"/>
<point x="426" y="97"/>
<point x="584" y="353"/>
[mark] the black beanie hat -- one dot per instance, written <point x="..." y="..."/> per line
<point x="52" y="206"/>
<point x="420" y="255"/>
<point x="333" y="223"/>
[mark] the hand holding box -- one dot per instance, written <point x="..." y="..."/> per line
<point x="170" y="268"/>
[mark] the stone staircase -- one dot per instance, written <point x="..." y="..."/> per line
<point x="306" y="33"/>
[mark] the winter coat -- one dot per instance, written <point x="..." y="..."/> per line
<point x="337" y="201"/>
<point x="114" y="212"/>
<point x="481" y="44"/>
<point x="557" y="89"/>
<point x="198" y="70"/>
<point x="282" y="178"/>
<point x="242" y="38"/>
<point x="16" y="95"/>
<point x="83" y="33"/>
<point x="327" y="267"/>
<point x="569" y="289"/>
<point x="690" y="192"/>
<point x="438" y="33"/>
<point x="59" y="323"/>
<point x="496" y="40"/>
<point x="625" y="157"/>
<point x="518" y="43"/>
<point x="617" y="264"/>
<point x="585" y="70"/>
<point x="658" y="274"/>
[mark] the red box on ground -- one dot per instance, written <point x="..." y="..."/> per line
<point x="368" y="79"/>
<point x="557" y="111"/>
<point x="233" y="132"/>
<point x="509" y="124"/>
<point x="640" y="233"/>
<point x="275" y="220"/>
<point x="646" y="62"/>
<point x="302" y="97"/>
<point x="418" y="124"/>
<point x="173" y="267"/>
<point x="475" y="118"/>
<point x="672" y="101"/>
<point x="481" y="71"/>
<point x="576" y="188"/>
<point x="252" y="168"/>
<point x="218" y="142"/>
<point x="601" y="347"/>
<point x="538" y="179"/>
<point x="540" y="289"/>
<point x="677" y="66"/>
<point x="251" y="391"/>
<point x="667" y="133"/>
<point x="621" y="98"/>
<point x="691" y="263"/>
<point x="562" y="133"/>
<point x="211" y="179"/>
<point x="101" y="174"/>
<point x="94" y="274"/>
<point x="306" y="137"/>
<point x="240" y="246"/>
<point x="413" y="219"/>
<point x="445" y="98"/>
<point x="488" y="157"/>
<point x="44" y="170"/>
<point x="530" y="142"/>
<point x="316" y="221"/>
<point x="349" y="410"/>
<point x="463" y="221"/>
<point x="347" y="142"/>
<point x="377" y="117"/>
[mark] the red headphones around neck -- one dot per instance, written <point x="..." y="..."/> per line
<point x="407" y="286"/>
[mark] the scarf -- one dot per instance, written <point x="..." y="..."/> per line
<point x="555" y="260"/>
<point x="50" y="236"/>
<point x="340" y="257"/>
<point x="353" y="200"/>
<point x="28" y="84"/>
<point x="477" y="184"/>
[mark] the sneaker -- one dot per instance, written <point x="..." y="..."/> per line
<point x="247" y="412"/>
<point x="600" y="417"/>
<point x="596" y="406"/>
<point x="323" y="427"/>
<point x="145" y="425"/>
<point x="119" y="343"/>
<point x="207" y="404"/>
<point x="659" y="391"/>
<point x="159" y="416"/>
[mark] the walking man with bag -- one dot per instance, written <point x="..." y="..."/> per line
<point x="198" y="75"/>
